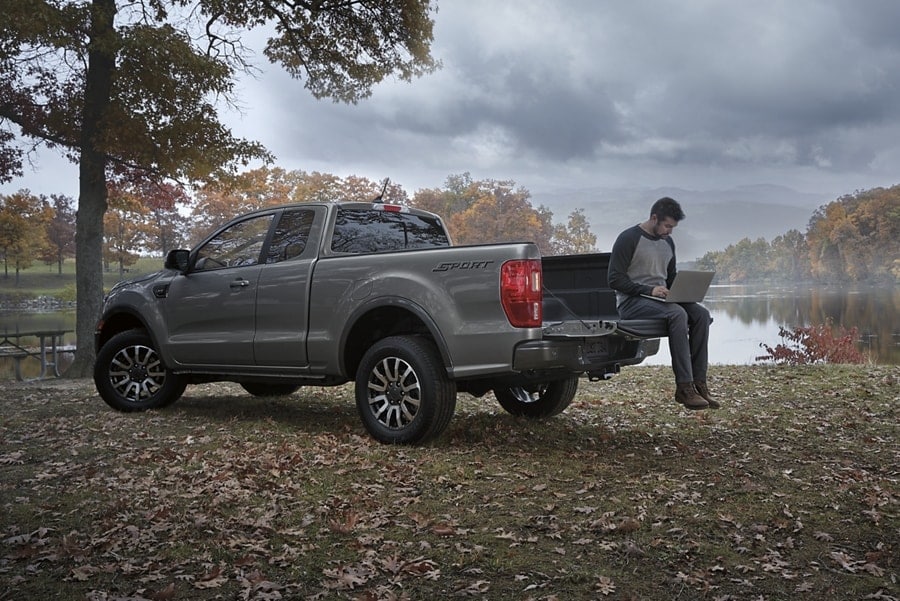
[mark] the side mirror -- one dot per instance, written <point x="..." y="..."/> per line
<point x="178" y="259"/>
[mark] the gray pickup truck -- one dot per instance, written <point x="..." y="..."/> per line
<point x="321" y="294"/>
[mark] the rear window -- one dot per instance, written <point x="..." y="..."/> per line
<point x="370" y="231"/>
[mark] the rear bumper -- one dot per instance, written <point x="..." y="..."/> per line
<point x="601" y="355"/>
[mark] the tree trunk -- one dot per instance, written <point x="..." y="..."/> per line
<point x="92" y="194"/>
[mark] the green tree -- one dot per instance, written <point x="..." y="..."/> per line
<point x="130" y="87"/>
<point x="745" y="261"/>
<point x="789" y="257"/>
<point x="456" y="196"/>
<point x="713" y="261"/>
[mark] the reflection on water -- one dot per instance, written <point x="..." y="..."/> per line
<point x="746" y="316"/>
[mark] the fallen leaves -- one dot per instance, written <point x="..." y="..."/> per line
<point x="791" y="488"/>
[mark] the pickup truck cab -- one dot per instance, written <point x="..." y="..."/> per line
<point x="321" y="294"/>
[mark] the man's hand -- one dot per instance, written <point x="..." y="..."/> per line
<point x="660" y="292"/>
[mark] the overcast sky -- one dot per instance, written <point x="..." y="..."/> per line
<point x="558" y="94"/>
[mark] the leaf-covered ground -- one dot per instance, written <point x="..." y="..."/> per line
<point x="791" y="490"/>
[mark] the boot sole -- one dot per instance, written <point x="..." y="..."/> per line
<point x="693" y="407"/>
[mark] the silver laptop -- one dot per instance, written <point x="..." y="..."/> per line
<point x="688" y="287"/>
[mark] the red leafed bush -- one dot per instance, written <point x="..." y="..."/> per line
<point x="815" y="344"/>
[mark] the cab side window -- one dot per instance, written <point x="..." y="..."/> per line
<point x="368" y="231"/>
<point x="291" y="235"/>
<point x="239" y="245"/>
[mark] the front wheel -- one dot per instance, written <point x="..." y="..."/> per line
<point x="130" y="375"/>
<point x="544" y="399"/>
<point x="403" y="393"/>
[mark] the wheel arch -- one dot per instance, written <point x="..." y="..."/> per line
<point x="389" y="317"/>
<point x="121" y="321"/>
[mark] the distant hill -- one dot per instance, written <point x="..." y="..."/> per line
<point x="715" y="218"/>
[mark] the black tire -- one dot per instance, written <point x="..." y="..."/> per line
<point x="544" y="399"/>
<point x="130" y="375"/>
<point x="263" y="389"/>
<point x="403" y="393"/>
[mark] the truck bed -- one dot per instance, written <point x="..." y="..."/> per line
<point x="576" y="287"/>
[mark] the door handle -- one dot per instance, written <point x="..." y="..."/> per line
<point x="239" y="283"/>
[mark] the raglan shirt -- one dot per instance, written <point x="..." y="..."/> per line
<point x="640" y="262"/>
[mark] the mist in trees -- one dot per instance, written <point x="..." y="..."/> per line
<point x="856" y="238"/>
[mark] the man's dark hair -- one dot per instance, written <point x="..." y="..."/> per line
<point x="667" y="207"/>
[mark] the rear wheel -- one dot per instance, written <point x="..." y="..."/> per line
<point x="262" y="389"/>
<point x="130" y="375"/>
<point x="403" y="393"/>
<point x="544" y="399"/>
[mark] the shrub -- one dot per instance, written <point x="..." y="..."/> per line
<point x="67" y="293"/>
<point x="815" y="344"/>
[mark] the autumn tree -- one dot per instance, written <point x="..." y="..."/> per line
<point x="132" y="87"/>
<point x="60" y="230"/>
<point x="362" y="189"/>
<point x="856" y="237"/>
<point x="226" y="197"/>
<point x="126" y="228"/>
<point x="23" y="217"/>
<point x="164" y="224"/>
<point x="456" y="196"/>
<point x="317" y="187"/>
<point x="575" y="236"/>
<point x="488" y="211"/>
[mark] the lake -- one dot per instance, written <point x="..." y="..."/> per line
<point x="745" y="316"/>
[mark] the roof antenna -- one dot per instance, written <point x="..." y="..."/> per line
<point x="378" y="198"/>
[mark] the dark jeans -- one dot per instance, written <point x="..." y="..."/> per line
<point x="688" y="332"/>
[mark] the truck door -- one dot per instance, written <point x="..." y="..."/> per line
<point x="282" y="311"/>
<point x="211" y="310"/>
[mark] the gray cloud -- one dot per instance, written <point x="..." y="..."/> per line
<point x="546" y="85"/>
<point x="706" y="93"/>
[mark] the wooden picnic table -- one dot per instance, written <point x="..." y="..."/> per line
<point x="50" y="347"/>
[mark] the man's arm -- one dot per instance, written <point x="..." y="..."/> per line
<point x="670" y="268"/>
<point x="620" y="259"/>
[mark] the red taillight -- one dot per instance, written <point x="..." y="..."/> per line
<point x="520" y="292"/>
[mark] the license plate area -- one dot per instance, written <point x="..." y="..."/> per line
<point x="594" y="351"/>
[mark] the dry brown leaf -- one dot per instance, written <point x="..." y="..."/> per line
<point x="165" y="594"/>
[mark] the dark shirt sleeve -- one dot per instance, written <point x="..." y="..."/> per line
<point x="671" y="271"/>
<point x="619" y="260"/>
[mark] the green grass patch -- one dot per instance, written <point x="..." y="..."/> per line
<point x="46" y="280"/>
<point x="789" y="491"/>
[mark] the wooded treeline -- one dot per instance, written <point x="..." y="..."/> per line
<point x="855" y="238"/>
<point x="153" y="219"/>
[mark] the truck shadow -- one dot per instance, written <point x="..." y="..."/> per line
<point x="478" y="425"/>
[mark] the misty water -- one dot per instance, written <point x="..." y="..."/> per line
<point x="744" y="317"/>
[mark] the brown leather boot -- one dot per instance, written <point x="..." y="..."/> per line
<point x="686" y="394"/>
<point x="703" y="390"/>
